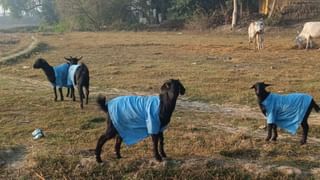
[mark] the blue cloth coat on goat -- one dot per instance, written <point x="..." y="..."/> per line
<point x="61" y="75"/>
<point x="135" y="117"/>
<point x="286" y="111"/>
<point x="72" y="71"/>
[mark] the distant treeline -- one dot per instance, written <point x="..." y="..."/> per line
<point x="95" y="15"/>
<point x="8" y="22"/>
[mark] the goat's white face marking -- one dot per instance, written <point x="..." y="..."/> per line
<point x="259" y="26"/>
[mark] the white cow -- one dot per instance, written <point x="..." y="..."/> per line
<point x="310" y="30"/>
<point x="256" y="33"/>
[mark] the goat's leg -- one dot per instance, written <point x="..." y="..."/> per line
<point x="258" y="41"/>
<point x="305" y="128"/>
<point x="161" y="138"/>
<point x="87" y="94"/>
<point x="275" y="133"/>
<point x="68" y="92"/>
<point x="262" y="40"/>
<point x="255" y="41"/>
<point x="80" y="90"/>
<point x="269" y="129"/>
<point x="305" y="125"/>
<point x="72" y="94"/>
<point x="117" y="147"/>
<point x="110" y="133"/>
<point x="155" y="140"/>
<point x="55" y="93"/>
<point x="308" y="41"/>
<point x="61" y="94"/>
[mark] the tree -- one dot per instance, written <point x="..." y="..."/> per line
<point x="234" y="14"/>
<point x="272" y="8"/>
<point x="4" y="4"/>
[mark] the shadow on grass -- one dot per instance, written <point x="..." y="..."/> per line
<point x="93" y="123"/>
<point x="12" y="154"/>
<point x="241" y="153"/>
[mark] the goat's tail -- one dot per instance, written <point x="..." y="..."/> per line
<point x="316" y="106"/>
<point x="101" y="101"/>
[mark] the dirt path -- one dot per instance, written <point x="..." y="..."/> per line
<point x="23" y="52"/>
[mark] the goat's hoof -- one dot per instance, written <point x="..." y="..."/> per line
<point x="158" y="158"/>
<point x="163" y="155"/>
<point x="119" y="156"/>
<point x="302" y="142"/>
<point x="274" y="139"/>
<point x="267" y="139"/>
<point x="98" y="159"/>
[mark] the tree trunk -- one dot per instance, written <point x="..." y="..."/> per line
<point x="234" y="14"/>
<point x="272" y="8"/>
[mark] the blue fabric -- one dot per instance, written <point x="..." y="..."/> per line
<point x="286" y="111"/>
<point x="61" y="74"/>
<point x="135" y="117"/>
<point x="72" y="71"/>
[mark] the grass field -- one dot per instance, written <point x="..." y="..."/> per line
<point x="213" y="133"/>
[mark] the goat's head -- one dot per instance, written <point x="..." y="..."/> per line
<point x="300" y="41"/>
<point x="259" y="26"/>
<point x="260" y="90"/>
<point x="174" y="87"/>
<point x="39" y="63"/>
<point x="73" y="60"/>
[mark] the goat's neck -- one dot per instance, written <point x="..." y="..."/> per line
<point x="167" y="106"/>
<point x="49" y="71"/>
<point x="263" y="96"/>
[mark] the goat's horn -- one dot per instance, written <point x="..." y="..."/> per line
<point x="66" y="58"/>
<point x="79" y="58"/>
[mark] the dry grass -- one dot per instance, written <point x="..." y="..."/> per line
<point x="215" y="68"/>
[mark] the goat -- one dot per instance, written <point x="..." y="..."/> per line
<point x="285" y="111"/>
<point x="256" y="33"/>
<point x="57" y="75"/>
<point x="78" y="76"/>
<point x="310" y="30"/>
<point x="149" y="116"/>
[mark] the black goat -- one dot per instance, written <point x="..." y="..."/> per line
<point x="285" y="111"/>
<point x="78" y="76"/>
<point x="163" y="107"/>
<point x="57" y="75"/>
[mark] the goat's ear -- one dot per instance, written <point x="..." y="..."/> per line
<point x="182" y="90"/>
<point x="66" y="58"/>
<point x="165" y="87"/>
